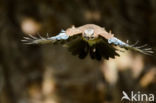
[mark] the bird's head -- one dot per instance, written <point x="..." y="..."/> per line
<point x="88" y="34"/>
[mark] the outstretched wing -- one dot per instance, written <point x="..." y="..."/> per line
<point x="113" y="40"/>
<point x="73" y="31"/>
<point x="142" y="49"/>
<point x="45" y="40"/>
<point x="63" y="35"/>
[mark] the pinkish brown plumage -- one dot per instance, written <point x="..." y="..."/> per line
<point x="98" y="31"/>
<point x="89" y="39"/>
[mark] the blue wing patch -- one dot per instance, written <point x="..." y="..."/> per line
<point x="142" y="49"/>
<point x="61" y="36"/>
<point x="116" y="42"/>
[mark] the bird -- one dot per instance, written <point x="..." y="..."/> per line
<point x="88" y="39"/>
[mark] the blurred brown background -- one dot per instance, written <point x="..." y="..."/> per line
<point x="50" y="74"/>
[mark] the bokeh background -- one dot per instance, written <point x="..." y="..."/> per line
<point x="50" y="74"/>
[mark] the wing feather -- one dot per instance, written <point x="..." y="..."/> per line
<point x="73" y="31"/>
<point x="142" y="49"/>
<point x="105" y="34"/>
<point x="44" y="40"/>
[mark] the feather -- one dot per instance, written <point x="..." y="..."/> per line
<point x="141" y="49"/>
<point x="88" y="39"/>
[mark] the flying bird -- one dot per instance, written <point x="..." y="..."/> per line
<point x="89" y="39"/>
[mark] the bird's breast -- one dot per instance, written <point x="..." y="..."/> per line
<point x="91" y="42"/>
